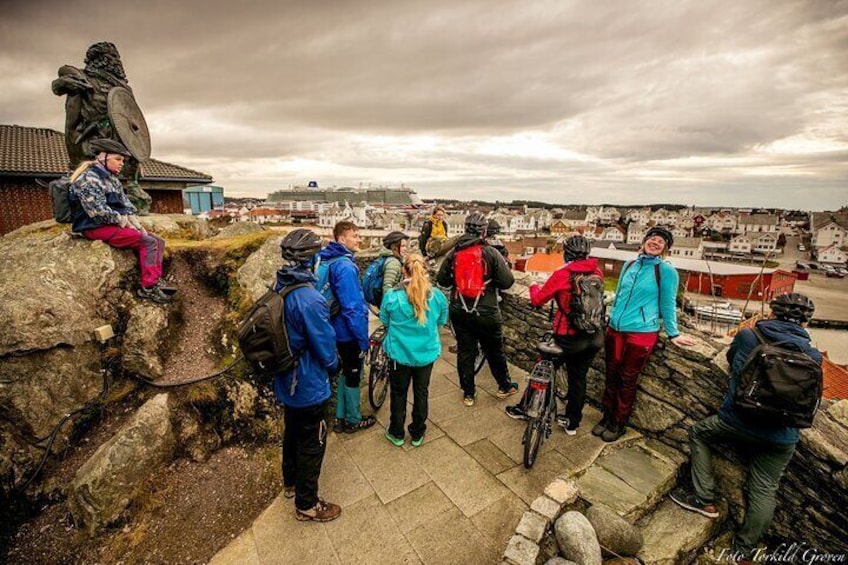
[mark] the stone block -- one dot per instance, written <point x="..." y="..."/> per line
<point x="521" y="551"/>
<point x="532" y="526"/>
<point x="547" y="507"/>
<point x="564" y="491"/>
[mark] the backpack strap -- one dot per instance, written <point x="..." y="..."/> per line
<point x="284" y="292"/>
<point x="659" y="287"/>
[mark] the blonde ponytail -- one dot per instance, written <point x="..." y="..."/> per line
<point x="82" y="168"/>
<point x="418" y="288"/>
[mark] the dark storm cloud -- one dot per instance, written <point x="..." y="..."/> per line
<point x="616" y="95"/>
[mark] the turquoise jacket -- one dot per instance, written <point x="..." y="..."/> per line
<point x="408" y="342"/>
<point x="637" y="305"/>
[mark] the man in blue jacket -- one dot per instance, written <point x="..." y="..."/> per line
<point x="350" y="324"/>
<point x="769" y="447"/>
<point x="304" y="390"/>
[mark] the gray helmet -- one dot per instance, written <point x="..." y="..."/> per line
<point x="576" y="247"/>
<point x="493" y="228"/>
<point x="663" y="233"/>
<point x="476" y="224"/>
<point x="300" y="245"/>
<point x="793" y="307"/>
<point x="393" y="238"/>
<point x="105" y="145"/>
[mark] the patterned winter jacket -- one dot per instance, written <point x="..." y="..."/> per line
<point x="97" y="199"/>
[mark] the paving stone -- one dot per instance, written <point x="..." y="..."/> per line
<point x="529" y="483"/>
<point x="341" y="482"/>
<point x="598" y="485"/>
<point x="563" y="491"/>
<point x="547" y="507"/>
<point x="489" y="456"/>
<point x="392" y="472"/>
<point x="440" y="384"/>
<point x="672" y="533"/>
<point x="447" y="406"/>
<point x="521" y="551"/>
<point x="278" y="536"/>
<point x="366" y="533"/>
<point x="451" y="537"/>
<point x="473" y="426"/>
<point x="637" y="468"/>
<point x="497" y="521"/>
<point x="241" y="551"/>
<point x="532" y="526"/>
<point x="469" y="486"/>
<point x="416" y="508"/>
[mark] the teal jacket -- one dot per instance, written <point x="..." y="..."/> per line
<point x="408" y="342"/>
<point x="637" y="306"/>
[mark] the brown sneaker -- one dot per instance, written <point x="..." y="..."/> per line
<point x="321" y="512"/>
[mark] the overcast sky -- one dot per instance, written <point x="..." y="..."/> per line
<point x="736" y="103"/>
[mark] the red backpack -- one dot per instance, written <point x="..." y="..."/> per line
<point x="469" y="275"/>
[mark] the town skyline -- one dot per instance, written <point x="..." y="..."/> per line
<point x="697" y="103"/>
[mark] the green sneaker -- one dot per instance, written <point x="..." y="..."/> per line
<point x="418" y="442"/>
<point x="396" y="441"/>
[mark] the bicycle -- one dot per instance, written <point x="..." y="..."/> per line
<point x="378" y="371"/>
<point x="541" y="400"/>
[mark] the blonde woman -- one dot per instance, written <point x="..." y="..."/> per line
<point x="412" y="313"/>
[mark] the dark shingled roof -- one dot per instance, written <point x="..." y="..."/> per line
<point x="42" y="152"/>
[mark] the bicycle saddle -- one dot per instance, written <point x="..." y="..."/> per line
<point x="549" y="348"/>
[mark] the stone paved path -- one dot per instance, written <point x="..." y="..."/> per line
<point x="455" y="499"/>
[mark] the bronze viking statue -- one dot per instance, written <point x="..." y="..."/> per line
<point x="100" y="104"/>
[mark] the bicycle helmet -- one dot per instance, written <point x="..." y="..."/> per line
<point x="575" y="247"/>
<point x="393" y="238"/>
<point x="663" y="233"/>
<point x="476" y="224"/>
<point x="493" y="228"/>
<point x="793" y="307"/>
<point x="300" y="245"/>
<point x="105" y="145"/>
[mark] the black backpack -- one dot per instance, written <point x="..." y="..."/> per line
<point x="778" y="386"/>
<point x="586" y="310"/>
<point x="263" y="337"/>
<point x="59" y="198"/>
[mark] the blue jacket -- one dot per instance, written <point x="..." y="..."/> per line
<point x="408" y="342"/>
<point x="744" y="342"/>
<point x="637" y="305"/>
<point x="310" y="332"/>
<point x="97" y="199"/>
<point x="352" y="322"/>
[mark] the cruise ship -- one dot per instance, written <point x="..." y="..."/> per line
<point x="373" y="195"/>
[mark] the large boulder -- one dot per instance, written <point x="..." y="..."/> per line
<point x="143" y="339"/>
<point x="576" y="539"/>
<point x="260" y="269"/>
<point x="237" y="229"/>
<point x="614" y="532"/>
<point x="111" y="479"/>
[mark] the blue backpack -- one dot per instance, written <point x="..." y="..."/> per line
<point x="372" y="282"/>
<point x="322" y="285"/>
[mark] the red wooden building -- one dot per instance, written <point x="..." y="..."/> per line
<point x="29" y="155"/>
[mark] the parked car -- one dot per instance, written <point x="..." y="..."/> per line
<point x="842" y="270"/>
<point x="802" y="265"/>
<point x="801" y="247"/>
<point x="831" y="273"/>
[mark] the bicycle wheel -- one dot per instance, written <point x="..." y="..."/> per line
<point x="378" y="379"/>
<point x="533" y="439"/>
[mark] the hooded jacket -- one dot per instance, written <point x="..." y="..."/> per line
<point x="392" y="270"/>
<point x="310" y="333"/>
<point x="352" y="322"/>
<point x="97" y="199"/>
<point x="558" y="286"/>
<point x="745" y="341"/>
<point x="637" y="306"/>
<point x="498" y="275"/>
<point x="408" y="342"/>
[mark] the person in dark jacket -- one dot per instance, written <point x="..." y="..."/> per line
<point x="578" y="348"/>
<point x="492" y="231"/>
<point x="481" y="324"/>
<point x="101" y="211"/>
<point x="350" y="325"/>
<point x="305" y="390"/>
<point x="769" y="448"/>
<point x="434" y="232"/>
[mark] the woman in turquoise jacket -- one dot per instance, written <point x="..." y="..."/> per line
<point x="412" y="315"/>
<point x="646" y="298"/>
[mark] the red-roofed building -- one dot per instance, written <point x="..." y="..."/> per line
<point x="835" y="380"/>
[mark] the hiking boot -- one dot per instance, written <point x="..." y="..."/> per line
<point x="396" y="441"/>
<point x="516" y="412"/>
<point x="601" y="426"/>
<point x="613" y="432"/>
<point x="153" y="293"/>
<point x="322" y="512"/>
<point x="512" y="388"/>
<point x="566" y="425"/>
<point x="365" y="423"/>
<point x="453" y="348"/>
<point x="417" y="442"/>
<point x="166" y="289"/>
<point x="691" y="502"/>
<point x="338" y="426"/>
<point x="288" y="492"/>
<point x="469" y="400"/>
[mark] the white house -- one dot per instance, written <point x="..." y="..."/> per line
<point x="829" y="230"/>
<point x="688" y="247"/>
<point x="758" y="223"/>
<point x="833" y="255"/>
<point x="740" y="244"/>
<point x="722" y="222"/>
<point x="635" y="233"/>
<point x="456" y="224"/>
<point x="639" y="215"/>
<point x="766" y="243"/>
<point x="612" y="233"/>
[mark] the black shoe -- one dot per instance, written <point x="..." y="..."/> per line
<point x="516" y="412"/>
<point x="613" y="432"/>
<point x="365" y="423"/>
<point x="690" y="501"/>
<point x="165" y="288"/>
<point x="155" y="294"/>
<point x="338" y="426"/>
<point x="601" y="426"/>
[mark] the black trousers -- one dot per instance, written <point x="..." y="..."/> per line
<point x="483" y="330"/>
<point x="399" y="379"/>
<point x="304" y="443"/>
<point x="352" y="361"/>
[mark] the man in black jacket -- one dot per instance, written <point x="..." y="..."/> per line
<point x="476" y="271"/>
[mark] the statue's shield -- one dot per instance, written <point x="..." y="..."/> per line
<point x="128" y="122"/>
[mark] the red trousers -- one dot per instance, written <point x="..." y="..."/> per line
<point x="626" y="356"/>
<point x="149" y="248"/>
